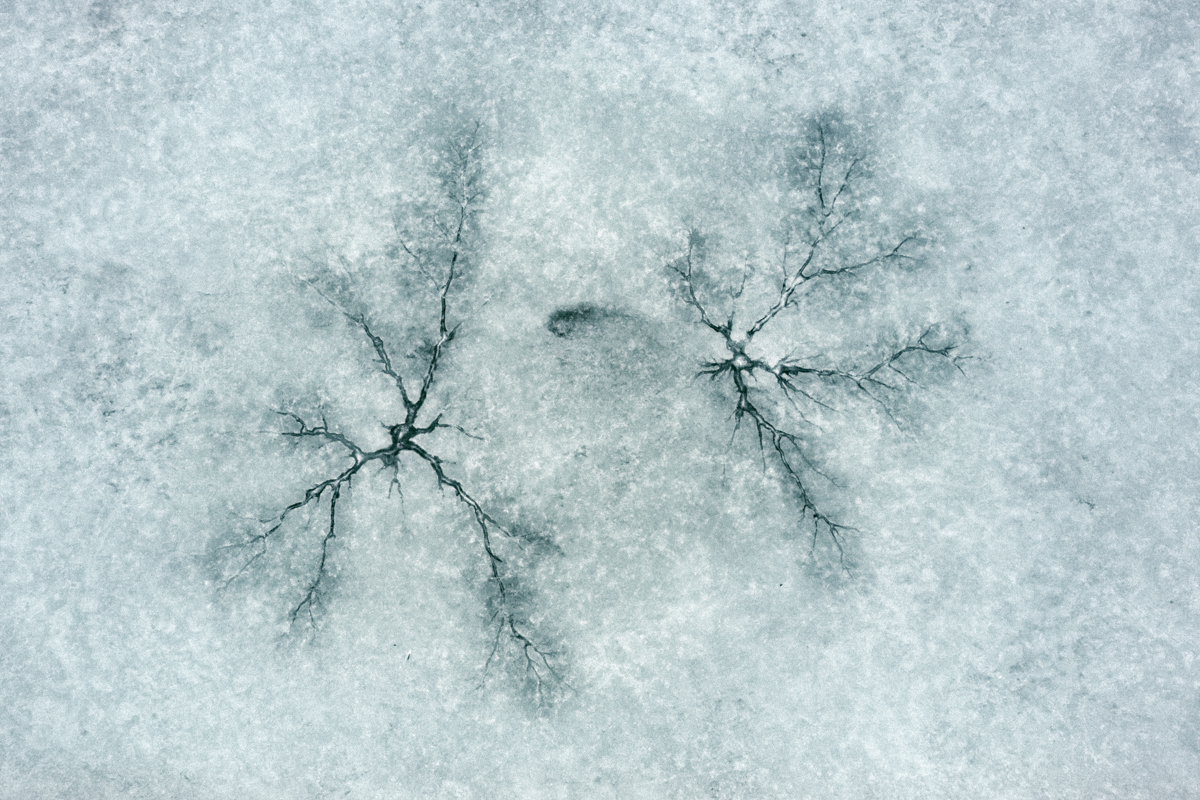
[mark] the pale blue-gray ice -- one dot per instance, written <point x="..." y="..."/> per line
<point x="611" y="400"/>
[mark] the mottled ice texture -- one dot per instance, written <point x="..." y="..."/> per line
<point x="1020" y="615"/>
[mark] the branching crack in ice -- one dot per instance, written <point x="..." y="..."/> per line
<point x="408" y="438"/>
<point x="804" y="259"/>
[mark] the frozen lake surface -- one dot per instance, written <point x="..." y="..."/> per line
<point x="209" y="211"/>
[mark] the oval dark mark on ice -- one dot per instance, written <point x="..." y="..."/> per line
<point x="572" y="320"/>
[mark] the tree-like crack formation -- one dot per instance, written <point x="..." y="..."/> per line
<point x="408" y="439"/>
<point x="823" y="173"/>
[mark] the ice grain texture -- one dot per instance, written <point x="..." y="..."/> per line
<point x="1021" y="616"/>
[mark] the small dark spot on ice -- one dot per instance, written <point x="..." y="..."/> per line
<point x="581" y="318"/>
<point x="566" y="321"/>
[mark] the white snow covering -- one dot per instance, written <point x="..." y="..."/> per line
<point x="1021" y="613"/>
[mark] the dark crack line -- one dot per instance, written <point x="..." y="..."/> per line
<point x="406" y="438"/>
<point x="786" y="375"/>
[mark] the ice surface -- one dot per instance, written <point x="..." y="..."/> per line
<point x="1020" y="614"/>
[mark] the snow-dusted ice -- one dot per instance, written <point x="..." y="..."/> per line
<point x="962" y="564"/>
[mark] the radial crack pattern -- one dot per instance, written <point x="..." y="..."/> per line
<point x="409" y="438"/>
<point x="828" y="173"/>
